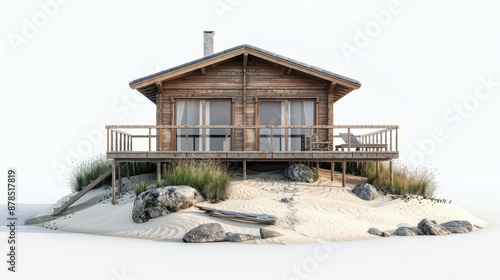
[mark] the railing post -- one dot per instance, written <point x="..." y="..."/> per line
<point x="107" y="139"/>
<point x="116" y="141"/>
<point x="390" y="144"/>
<point x="397" y="149"/>
<point x="149" y="146"/>
<point x="272" y="140"/>
<point x="349" y="139"/>
<point x="187" y="140"/>
<point x="227" y="141"/>
<point x="111" y="141"/>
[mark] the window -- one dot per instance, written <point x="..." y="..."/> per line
<point x="272" y="113"/>
<point x="199" y="113"/>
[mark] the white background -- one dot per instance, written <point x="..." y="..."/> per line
<point x="66" y="66"/>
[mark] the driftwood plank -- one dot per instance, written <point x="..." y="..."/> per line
<point x="238" y="216"/>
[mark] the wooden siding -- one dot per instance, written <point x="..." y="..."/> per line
<point x="245" y="87"/>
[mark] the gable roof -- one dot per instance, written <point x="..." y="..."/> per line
<point x="148" y="85"/>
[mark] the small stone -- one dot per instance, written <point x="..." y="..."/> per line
<point x="285" y="200"/>
<point x="265" y="233"/>
<point x="376" y="231"/>
<point x="205" y="233"/>
<point x="238" y="237"/>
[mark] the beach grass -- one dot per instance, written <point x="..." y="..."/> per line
<point x="408" y="179"/>
<point x="141" y="187"/>
<point x="83" y="173"/>
<point x="211" y="178"/>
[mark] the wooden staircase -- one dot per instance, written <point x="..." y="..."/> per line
<point x="85" y="190"/>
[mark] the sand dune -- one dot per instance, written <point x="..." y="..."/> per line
<point x="318" y="212"/>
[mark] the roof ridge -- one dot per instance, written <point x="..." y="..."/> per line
<point x="243" y="46"/>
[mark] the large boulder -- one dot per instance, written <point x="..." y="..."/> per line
<point x="301" y="173"/>
<point x="458" y="226"/>
<point x="162" y="201"/>
<point x="205" y="233"/>
<point x="430" y="227"/>
<point x="365" y="191"/>
<point x="408" y="231"/>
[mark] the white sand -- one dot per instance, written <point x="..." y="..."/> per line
<point x="321" y="211"/>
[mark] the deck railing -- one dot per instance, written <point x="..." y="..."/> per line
<point x="129" y="138"/>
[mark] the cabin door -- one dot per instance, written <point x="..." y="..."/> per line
<point x="218" y="113"/>
<point x="198" y="113"/>
<point x="272" y="113"/>
<point x="189" y="113"/>
<point x="301" y="113"/>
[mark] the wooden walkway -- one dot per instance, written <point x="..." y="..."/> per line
<point x="81" y="193"/>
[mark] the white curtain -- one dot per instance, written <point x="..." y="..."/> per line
<point x="180" y="106"/>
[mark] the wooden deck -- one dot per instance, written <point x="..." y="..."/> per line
<point x="141" y="143"/>
<point x="313" y="156"/>
<point x="128" y="143"/>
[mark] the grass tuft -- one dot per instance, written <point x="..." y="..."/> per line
<point x="210" y="178"/>
<point x="83" y="173"/>
<point x="408" y="179"/>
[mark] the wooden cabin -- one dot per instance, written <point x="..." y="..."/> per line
<point x="247" y="104"/>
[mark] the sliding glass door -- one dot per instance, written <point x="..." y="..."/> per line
<point x="273" y="113"/>
<point x="203" y="113"/>
<point x="218" y="113"/>
<point x="301" y="114"/>
<point x="189" y="113"/>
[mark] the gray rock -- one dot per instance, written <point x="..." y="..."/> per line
<point x="365" y="191"/>
<point x="265" y="233"/>
<point x="458" y="230"/>
<point x="376" y="231"/>
<point x="458" y="224"/>
<point x="301" y="173"/>
<point x="205" y="233"/>
<point x="408" y="231"/>
<point x="430" y="227"/>
<point x="285" y="200"/>
<point x="162" y="201"/>
<point x="238" y="237"/>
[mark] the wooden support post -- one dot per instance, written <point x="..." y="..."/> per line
<point x="317" y="168"/>
<point x="344" y="170"/>
<point x="119" y="190"/>
<point x="344" y="167"/>
<point x="113" y="182"/>
<point x="133" y="168"/>
<point x="244" y="169"/>
<point x="378" y="169"/>
<point x="128" y="170"/>
<point x="332" y="171"/>
<point x="158" y="171"/>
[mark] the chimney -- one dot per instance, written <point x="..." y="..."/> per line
<point x="208" y="42"/>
